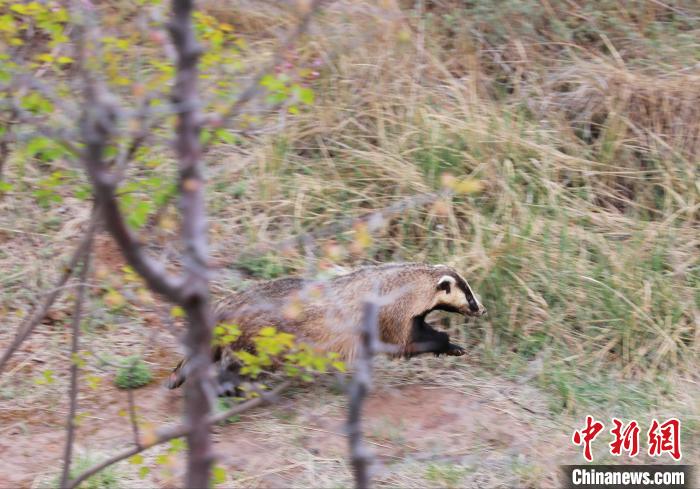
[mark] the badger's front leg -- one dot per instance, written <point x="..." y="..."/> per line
<point x="426" y="339"/>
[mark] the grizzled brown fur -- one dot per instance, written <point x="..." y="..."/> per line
<point x="328" y="313"/>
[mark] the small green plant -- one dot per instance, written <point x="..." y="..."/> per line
<point x="445" y="474"/>
<point x="223" y="404"/>
<point x="133" y="374"/>
<point x="104" y="479"/>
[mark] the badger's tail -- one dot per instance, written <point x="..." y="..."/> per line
<point x="178" y="376"/>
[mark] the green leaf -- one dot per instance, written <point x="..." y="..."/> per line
<point x="5" y="187"/>
<point x="83" y="192"/>
<point x="143" y="471"/>
<point x="226" y="136"/>
<point x="177" y="312"/>
<point x="37" y="145"/>
<point x="136" y="459"/>
<point x="305" y="94"/>
<point x="218" y="475"/>
<point x="139" y="214"/>
<point x="177" y="445"/>
<point x="162" y="459"/>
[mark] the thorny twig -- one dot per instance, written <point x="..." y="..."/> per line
<point x="181" y="430"/>
<point x="75" y="366"/>
<point x="361" y="383"/>
<point x="27" y="326"/>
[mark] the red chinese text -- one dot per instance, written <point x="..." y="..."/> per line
<point x="626" y="439"/>
<point x="665" y="437"/>
<point x="587" y="435"/>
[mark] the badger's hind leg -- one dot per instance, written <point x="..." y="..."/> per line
<point x="228" y="378"/>
<point x="426" y="339"/>
<point x="228" y="382"/>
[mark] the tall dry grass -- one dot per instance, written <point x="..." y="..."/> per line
<point x="580" y="120"/>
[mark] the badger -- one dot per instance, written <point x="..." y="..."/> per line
<point x="327" y="314"/>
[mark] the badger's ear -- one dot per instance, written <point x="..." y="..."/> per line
<point x="445" y="283"/>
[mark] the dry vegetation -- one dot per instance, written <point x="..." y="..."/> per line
<point x="579" y="121"/>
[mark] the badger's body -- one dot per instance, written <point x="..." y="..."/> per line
<point x="327" y="314"/>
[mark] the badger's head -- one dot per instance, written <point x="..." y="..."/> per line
<point x="453" y="294"/>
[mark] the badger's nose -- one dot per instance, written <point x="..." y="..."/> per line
<point x="482" y="310"/>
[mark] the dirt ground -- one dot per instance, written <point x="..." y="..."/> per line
<point x="431" y="422"/>
<point x="478" y="432"/>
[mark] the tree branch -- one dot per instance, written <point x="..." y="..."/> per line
<point x="77" y="317"/>
<point x="361" y="383"/>
<point x="27" y="327"/>
<point x="181" y="430"/>
<point x="195" y="291"/>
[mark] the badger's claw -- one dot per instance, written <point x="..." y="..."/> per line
<point x="456" y="351"/>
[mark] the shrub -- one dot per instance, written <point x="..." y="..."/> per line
<point x="133" y="374"/>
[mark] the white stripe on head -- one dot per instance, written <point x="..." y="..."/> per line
<point x="447" y="279"/>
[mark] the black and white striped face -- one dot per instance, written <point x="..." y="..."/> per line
<point x="455" y="295"/>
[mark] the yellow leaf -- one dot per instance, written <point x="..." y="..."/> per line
<point x="362" y="237"/>
<point x="468" y="186"/>
<point x="177" y="312"/>
<point x="268" y="331"/>
<point x="136" y="459"/>
<point x="93" y="381"/>
<point x="45" y="57"/>
<point x="113" y="299"/>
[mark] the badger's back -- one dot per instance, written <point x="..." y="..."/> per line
<point x="326" y="313"/>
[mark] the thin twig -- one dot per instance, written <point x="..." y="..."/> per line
<point x="132" y="415"/>
<point x="181" y="430"/>
<point x="361" y="383"/>
<point x="74" y="369"/>
<point x="27" y="327"/>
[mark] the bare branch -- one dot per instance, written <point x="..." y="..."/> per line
<point x="139" y="136"/>
<point x="27" y="326"/>
<point x="132" y="415"/>
<point x="195" y="291"/>
<point x="361" y="383"/>
<point x="74" y="369"/>
<point x="181" y="430"/>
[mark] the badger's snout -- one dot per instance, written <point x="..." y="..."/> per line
<point x="479" y="311"/>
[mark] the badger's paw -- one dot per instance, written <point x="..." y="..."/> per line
<point x="455" y="351"/>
